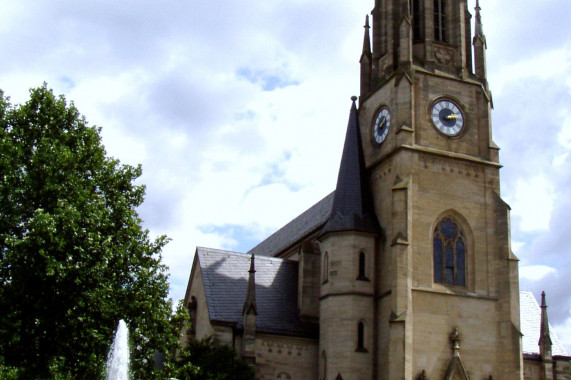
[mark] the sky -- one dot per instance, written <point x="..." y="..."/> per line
<point x="237" y="112"/>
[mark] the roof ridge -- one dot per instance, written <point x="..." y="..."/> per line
<point x="242" y="254"/>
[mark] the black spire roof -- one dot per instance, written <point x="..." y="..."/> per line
<point x="352" y="206"/>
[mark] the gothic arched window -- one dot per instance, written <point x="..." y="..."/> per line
<point x="449" y="245"/>
<point x="361" y="338"/>
<point x="325" y="274"/>
<point x="416" y="20"/>
<point x="192" y="309"/>
<point x="440" y="21"/>
<point x="362" y="267"/>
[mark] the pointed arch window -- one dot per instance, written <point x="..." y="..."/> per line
<point x="416" y="20"/>
<point x="440" y="22"/>
<point x="361" y="337"/>
<point x="325" y="274"/>
<point x="362" y="267"/>
<point x="449" y="247"/>
<point x="192" y="309"/>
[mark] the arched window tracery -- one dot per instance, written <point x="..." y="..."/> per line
<point x="449" y="253"/>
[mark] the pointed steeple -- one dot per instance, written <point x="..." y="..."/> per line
<point x="366" y="61"/>
<point x="480" y="46"/>
<point x="367" y="39"/>
<point x="250" y="302"/>
<point x="544" y="337"/>
<point x="352" y="208"/>
<point x="479" y="28"/>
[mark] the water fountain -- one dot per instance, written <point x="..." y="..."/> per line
<point x="117" y="367"/>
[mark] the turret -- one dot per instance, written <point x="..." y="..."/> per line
<point x="348" y="244"/>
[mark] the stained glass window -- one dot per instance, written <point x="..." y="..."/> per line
<point x="449" y="251"/>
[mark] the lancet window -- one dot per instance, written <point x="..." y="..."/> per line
<point x="361" y="338"/>
<point x="440" y="24"/>
<point x="325" y="271"/>
<point x="449" y="245"/>
<point x="362" y="267"/>
<point x="416" y="20"/>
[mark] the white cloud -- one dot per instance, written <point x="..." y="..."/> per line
<point x="533" y="203"/>
<point x="535" y="272"/>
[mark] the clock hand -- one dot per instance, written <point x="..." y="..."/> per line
<point x="451" y="116"/>
<point x="383" y="123"/>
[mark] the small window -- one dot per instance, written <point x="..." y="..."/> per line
<point x="361" y="338"/>
<point x="325" y="274"/>
<point x="449" y="246"/>
<point x="416" y="20"/>
<point x="362" y="267"/>
<point x="440" y="24"/>
<point x="192" y="310"/>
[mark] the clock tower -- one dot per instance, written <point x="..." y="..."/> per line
<point x="445" y="280"/>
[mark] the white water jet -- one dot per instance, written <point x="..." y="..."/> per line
<point x="117" y="366"/>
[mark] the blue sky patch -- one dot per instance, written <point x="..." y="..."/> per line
<point x="268" y="81"/>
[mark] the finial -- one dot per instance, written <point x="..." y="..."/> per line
<point x="543" y="304"/>
<point x="367" y="22"/>
<point x="455" y="338"/>
<point x="252" y="268"/>
<point x="354" y="98"/>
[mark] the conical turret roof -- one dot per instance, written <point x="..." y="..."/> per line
<point x="352" y="208"/>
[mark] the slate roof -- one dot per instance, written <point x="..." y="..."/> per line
<point x="304" y="225"/>
<point x="225" y="279"/>
<point x="530" y="317"/>
<point x="352" y="204"/>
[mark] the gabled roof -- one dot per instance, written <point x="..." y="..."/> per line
<point x="352" y="204"/>
<point x="304" y="225"/>
<point x="530" y="315"/>
<point x="225" y="278"/>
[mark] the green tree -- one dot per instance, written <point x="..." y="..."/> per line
<point x="205" y="360"/>
<point x="74" y="258"/>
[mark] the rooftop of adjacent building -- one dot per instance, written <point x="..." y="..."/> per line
<point x="530" y="316"/>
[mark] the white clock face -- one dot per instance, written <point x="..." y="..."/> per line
<point x="447" y="117"/>
<point x="381" y="126"/>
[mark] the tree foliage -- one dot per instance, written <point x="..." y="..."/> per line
<point x="74" y="258"/>
<point x="205" y="360"/>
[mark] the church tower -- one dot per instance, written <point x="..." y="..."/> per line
<point x="444" y="282"/>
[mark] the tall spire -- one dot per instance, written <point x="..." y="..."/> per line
<point x="479" y="28"/>
<point x="366" y="61"/>
<point x="480" y="47"/>
<point x="250" y="302"/>
<point x="367" y="39"/>
<point x="544" y="337"/>
<point x="352" y="208"/>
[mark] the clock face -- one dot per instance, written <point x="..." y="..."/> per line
<point x="382" y="124"/>
<point x="447" y="117"/>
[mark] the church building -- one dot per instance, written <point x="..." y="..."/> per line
<point x="405" y="270"/>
